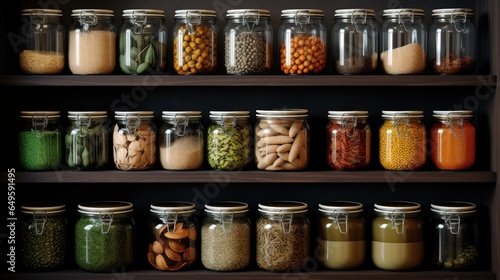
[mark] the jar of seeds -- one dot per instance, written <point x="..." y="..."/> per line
<point x="248" y="42"/>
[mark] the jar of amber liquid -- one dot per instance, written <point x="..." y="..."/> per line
<point x="453" y="140"/>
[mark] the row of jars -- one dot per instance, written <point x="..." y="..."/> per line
<point x="248" y="42"/>
<point x="105" y="236"/>
<point x="280" y="140"/>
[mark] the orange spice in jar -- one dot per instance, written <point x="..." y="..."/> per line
<point x="453" y="140"/>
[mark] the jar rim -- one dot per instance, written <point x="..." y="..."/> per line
<point x="395" y="13"/>
<point x="95" y="207"/>
<point x="453" y="207"/>
<point x="227" y="205"/>
<point x="282" y="111"/>
<point x="149" y="12"/>
<point x="48" y="207"/>
<point x="47" y="114"/>
<point x="172" y="115"/>
<point x="456" y="113"/>
<point x="203" y="13"/>
<point x="351" y="207"/>
<point x="217" y="115"/>
<point x="389" y="207"/>
<point x="48" y="12"/>
<point x="291" y="13"/>
<point x="439" y="13"/>
<point x="123" y="115"/>
<point x="345" y="13"/>
<point x="178" y="207"/>
<point x="236" y="13"/>
<point x="97" y="12"/>
<point x="401" y="114"/>
<point x="280" y="207"/>
<point x="340" y="114"/>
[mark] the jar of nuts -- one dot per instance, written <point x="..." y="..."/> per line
<point x="302" y="42"/>
<point x="195" y="44"/>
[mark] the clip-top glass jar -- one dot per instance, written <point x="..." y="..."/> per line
<point x="105" y="236"/>
<point x="404" y="41"/>
<point x="341" y="235"/>
<point x="195" y="42"/>
<point x="348" y="140"/>
<point x="225" y="236"/>
<point x="172" y="235"/>
<point x="355" y="41"/>
<point x="398" y="235"/>
<point x="43" y="50"/>
<point x="134" y="140"/>
<point x="302" y="42"/>
<point x="452" y="41"/>
<point x="456" y="237"/>
<point x="44" y="236"/>
<point x="40" y="140"/>
<point x="92" y="42"/>
<point x="143" y="42"/>
<point x="453" y="140"/>
<point x="282" y="241"/>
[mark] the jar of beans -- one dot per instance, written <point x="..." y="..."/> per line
<point x="181" y="140"/>
<point x="134" y="140"/>
<point x="453" y="140"/>
<point x="43" y="44"/>
<point x="355" y="41"/>
<point x="404" y="41"/>
<point x="195" y="42"/>
<point x="248" y="42"/>
<point x="452" y="41"/>
<point x="403" y="140"/>
<point x="229" y="140"/>
<point x="143" y="42"/>
<point x="40" y="140"/>
<point x="302" y="42"/>
<point x="348" y="140"/>
<point x="92" y="42"/>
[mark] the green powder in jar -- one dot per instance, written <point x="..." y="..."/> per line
<point x="40" y="150"/>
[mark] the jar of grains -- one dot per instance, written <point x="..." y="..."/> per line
<point x="87" y="140"/>
<point x="302" y="42"/>
<point x="398" y="236"/>
<point x="452" y="41"/>
<point x="282" y="139"/>
<point x="181" y="140"/>
<point x="404" y="41"/>
<point x="456" y="235"/>
<point x="282" y="241"/>
<point x="225" y="236"/>
<point x="40" y="140"/>
<point x="403" y="140"/>
<point x="348" y="140"/>
<point x="453" y="140"/>
<point x="105" y="236"/>
<point x="43" y="44"/>
<point x="248" y="42"/>
<point x="134" y="140"/>
<point x="195" y="42"/>
<point x="229" y="140"/>
<point x="172" y="235"/>
<point x="355" y="41"/>
<point x="92" y="42"/>
<point x="143" y="42"/>
<point x="44" y="236"/>
<point x="341" y="235"/>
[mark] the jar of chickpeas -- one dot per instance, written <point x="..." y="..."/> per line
<point x="302" y="41"/>
<point x="195" y="42"/>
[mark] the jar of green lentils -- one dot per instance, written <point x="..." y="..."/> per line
<point x="403" y="140"/>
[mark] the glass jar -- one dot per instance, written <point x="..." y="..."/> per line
<point x="248" y="42"/>
<point x="453" y="140"/>
<point x="456" y="237"/>
<point x="398" y="235"/>
<point x="229" y="140"/>
<point x="182" y="140"/>
<point x="143" y="42"/>
<point x="87" y="140"/>
<point x="282" y="139"/>
<point x="452" y="41"/>
<point x="44" y="236"/>
<point x="282" y="241"/>
<point x="105" y="236"/>
<point x="302" y="42"/>
<point x="341" y="235"/>
<point x="172" y="235"/>
<point x="348" y="141"/>
<point x="134" y="140"/>
<point x="92" y="42"/>
<point x="355" y="41"/>
<point x="404" y="41"/>
<point x="195" y="42"/>
<point x="403" y="140"/>
<point x="225" y="236"/>
<point x="43" y="48"/>
<point x="40" y="140"/>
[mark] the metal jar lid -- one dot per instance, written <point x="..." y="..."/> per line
<point x="394" y="207"/>
<point x="172" y="207"/>
<point x="100" y="207"/>
<point x="173" y="115"/>
<point x="282" y="113"/>
<point x="349" y="13"/>
<point x="349" y="207"/>
<point x="100" y="13"/>
<point x="402" y="114"/>
<point x="226" y="207"/>
<point x="41" y="12"/>
<point x="443" y="115"/>
<point x="400" y="13"/>
<point x="43" y="207"/>
<point x="338" y="115"/>
<point x="218" y="115"/>
<point x="192" y="13"/>
<point x="283" y="207"/>
<point x="294" y="13"/>
<point x="453" y="207"/>
<point x="241" y="13"/>
<point x="132" y="13"/>
<point x="40" y="114"/>
<point x="124" y="115"/>
<point x="452" y="13"/>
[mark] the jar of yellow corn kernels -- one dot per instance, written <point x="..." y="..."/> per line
<point x="402" y="140"/>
